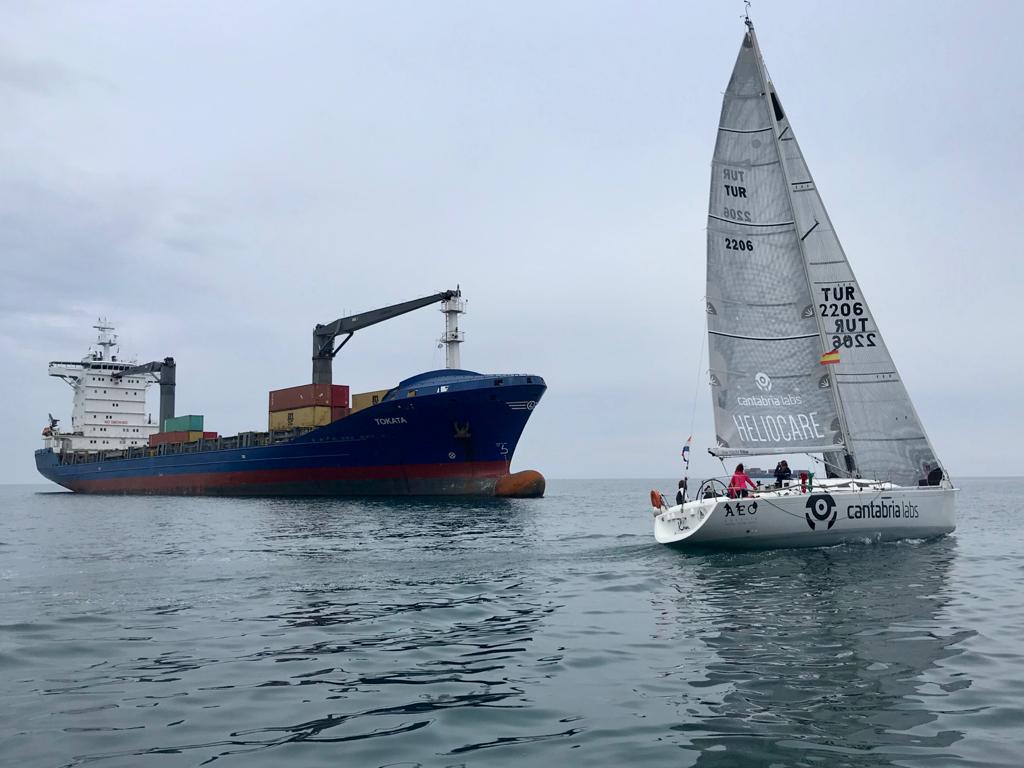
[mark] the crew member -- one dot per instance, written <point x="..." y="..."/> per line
<point x="738" y="484"/>
<point x="782" y="472"/>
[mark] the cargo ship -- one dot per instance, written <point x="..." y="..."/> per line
<point x="444" y="432"/>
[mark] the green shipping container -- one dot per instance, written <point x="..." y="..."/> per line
<point x="191" y="423"/>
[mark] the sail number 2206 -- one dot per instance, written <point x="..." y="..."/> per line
<point x="733" y="244"/>
<point x="842" y="307"/>
<point x="853" y="340"/>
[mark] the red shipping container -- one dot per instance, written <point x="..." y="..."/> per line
<point x="210" y="435"/>
<point x="331" y="395"/>
<point x="339" y="412"/>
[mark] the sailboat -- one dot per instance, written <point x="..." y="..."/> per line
<point x="797" y="362"/>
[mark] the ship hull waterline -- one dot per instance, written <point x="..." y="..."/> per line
<point x="823" y="517"/>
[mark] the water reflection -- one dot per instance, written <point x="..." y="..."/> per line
<point x="425" y="523"/>
<point x="820" y="655"/>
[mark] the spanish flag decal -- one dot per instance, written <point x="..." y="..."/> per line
<point x="830" y="358"/>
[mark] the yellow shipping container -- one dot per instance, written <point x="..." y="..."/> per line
<point x="366" y="399"/>
<point x="193" y="436"/>
<point x="310" y="416"/>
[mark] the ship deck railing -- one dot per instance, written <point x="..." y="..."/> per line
<point x="234" y="442"/>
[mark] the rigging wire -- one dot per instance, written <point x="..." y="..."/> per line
<point x="700" y="359"/>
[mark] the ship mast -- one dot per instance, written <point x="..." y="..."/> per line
<point x="452" y="308"/>
<point x="773" y="114"/>
<point x="106" y="339"/>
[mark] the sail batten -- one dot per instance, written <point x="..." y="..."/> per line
<point x="748" y="130"/>
<point x="777" y="300"/>
<point x="764" y="338"/>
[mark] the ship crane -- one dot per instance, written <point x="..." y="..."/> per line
<point x="164" y="371"/>
<point x="324" y="335"/>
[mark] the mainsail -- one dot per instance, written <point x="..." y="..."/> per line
<point x="780" y="293"/>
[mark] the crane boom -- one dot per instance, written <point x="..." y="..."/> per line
<point x="324" y="335"/>
<point x="165" y="371"/>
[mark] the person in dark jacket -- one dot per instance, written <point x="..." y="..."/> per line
<point x="782" y="472"/>
<point x="681" y="493"/>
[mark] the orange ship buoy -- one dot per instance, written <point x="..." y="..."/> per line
<point x="655" y="499"/>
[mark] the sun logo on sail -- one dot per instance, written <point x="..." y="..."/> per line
<point x="821" y="507"/>
<point x="763" y="381"/>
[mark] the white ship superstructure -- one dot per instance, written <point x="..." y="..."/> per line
<point x="108" y="413"/>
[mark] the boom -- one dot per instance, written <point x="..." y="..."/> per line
<point x="324" y="335"/>
<point x="164" y="370"/>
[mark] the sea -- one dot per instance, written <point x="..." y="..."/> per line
<point x="173" y="632"/>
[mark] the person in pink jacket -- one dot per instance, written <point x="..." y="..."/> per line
<point x="738" y="484"/>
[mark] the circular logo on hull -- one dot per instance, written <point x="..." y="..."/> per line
<point x="821" y="508"/>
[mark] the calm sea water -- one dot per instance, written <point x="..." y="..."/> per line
<point x="178" y="632"/>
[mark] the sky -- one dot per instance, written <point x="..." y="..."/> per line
<point x="217" y="178"/>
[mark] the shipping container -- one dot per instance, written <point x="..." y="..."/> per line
<point x="210" y="435"/>
<point x="328" y="395"/>
<point x="338" y="412"/>
<point x="366" y="399"/>
<point x="312" y="416"/>
<point x="180" y="436"/>
<point x="191" y="423"/>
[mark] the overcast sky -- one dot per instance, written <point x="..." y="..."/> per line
<point x="218" y="177"/>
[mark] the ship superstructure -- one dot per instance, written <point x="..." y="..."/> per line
<point x="108" y="410"/>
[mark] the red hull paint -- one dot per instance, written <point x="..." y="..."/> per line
<point x="476" y="478"/>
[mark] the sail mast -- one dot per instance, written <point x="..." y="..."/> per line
<point x="774" y="108"/>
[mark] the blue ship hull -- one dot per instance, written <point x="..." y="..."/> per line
<point x="446" y="432"/>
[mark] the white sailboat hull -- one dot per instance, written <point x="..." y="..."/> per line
<point x="834" y="513"/>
